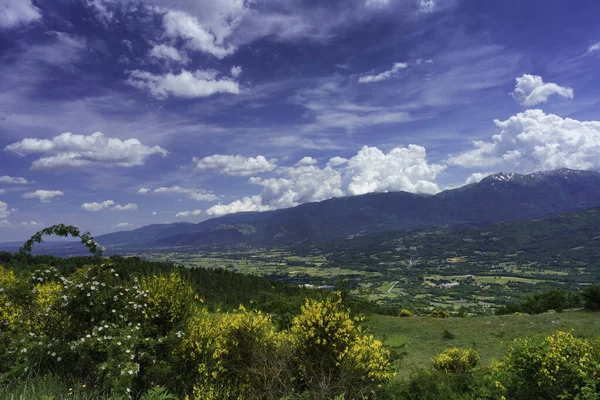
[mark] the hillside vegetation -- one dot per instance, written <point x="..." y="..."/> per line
<point x="123" y="328"/>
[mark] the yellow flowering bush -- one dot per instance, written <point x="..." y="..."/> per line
<point x="455" y="360"/>
<point x="234" y="355"/>
<point x="170" y="299"/>
<point x="559" y="366"/>
<point x="405" y="313"/>
<point x="439" y="314"/>
<point x="333" y="354"/>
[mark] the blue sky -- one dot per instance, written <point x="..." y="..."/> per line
<point x="116" y="114"/>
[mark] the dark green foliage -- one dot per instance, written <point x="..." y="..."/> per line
<point x="537" y="303"/>
<point x="448" y="335"/>
<point x="591" y="298"/>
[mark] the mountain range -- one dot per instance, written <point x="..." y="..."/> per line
<point x="497" y="198"/>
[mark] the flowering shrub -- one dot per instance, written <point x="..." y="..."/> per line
<point x="439" y="314"/>
<point x="455" y="360"/>
<point x="333" y="354"/>
<point x="235" y="355"/>
<point x="126" y="333"/>
<point x="559" y="366"/>
<point x="405" y="314"/>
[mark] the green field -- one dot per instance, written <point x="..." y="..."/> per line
<point x="420" y="338"/>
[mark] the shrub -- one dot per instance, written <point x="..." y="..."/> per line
<point x="591" y="297"/>
<point x="405" y="313"/>
<point x="333" y="354"/>
<point x="447" y="335"/>
<point x="236" y="355"/>
<point x="557" y="366"/>
<point x="455" y="360"/>
<point x="439" y="314"/>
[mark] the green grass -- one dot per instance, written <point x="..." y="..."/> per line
<point x="421" y="337"/>
<point x="48" y="387"/>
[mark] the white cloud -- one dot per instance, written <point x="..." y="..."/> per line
<point x="4" y="211"/>
<point x="69" y="150"/>
<point x="370" y="170"/>
<point x="4" y="223"/>
<point x="97" y="206"/>
<point x="17" y="12"/>
<point x="252" y="203"/>
<point x="402" y="169"/>
<point x="124" y="225"/>
<point x="194" y="194"/>
<point x="181" y="25"/>
<point x="299" y="185"/>
<point x="9" y="180"/>
<point x="337" y="161"/>
<point x="126" y="207"/>
<point x="397" y="67"/>
<point x="108" y="204"/>
<point x="186" y="84"/>
<point x="154" y="213"/>
<point x="236" y="71"/>
<point x="477" y="177"/>
<point x="30" y="224"/>
<point x="169" y="53"/>
<point x="531" y="90"/>
<point x="594" y="47"/>
<point x="144" y="191"/>
<point x="533" y="140"/>
<point x="426" y="6"/>
<point x="377" y="3"/>
<point x="44" y="196"/>
<point x="307" y="161"/>
<point x="188" y="213"/>
<point x="235" y="165"/>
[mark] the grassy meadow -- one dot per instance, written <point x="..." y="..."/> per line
<point x="421" y="338"/>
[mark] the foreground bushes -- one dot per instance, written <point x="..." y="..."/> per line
<point x="126" y="334"/>
<point x="559" y="366"/>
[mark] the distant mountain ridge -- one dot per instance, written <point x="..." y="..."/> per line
<point x="500" y="197"/>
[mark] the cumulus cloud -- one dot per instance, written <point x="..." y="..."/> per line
<point x="17" y="12"/>
<point x="169" y="53"/>
<point x="44" y="196"/>
<point x="337" y="161"/>
<point x="188" y="213"/>
<point x="235" y="165"/>
<point x="181" y="25"/>
<point x="69" y="150"/>
<point x="194" y="194"/>
<point x="108" y="204"/>
<point x="477" y="177"/>
<point x="4" y="211"/>
<point x="9" y="180"/>
<point x="186" y="84"/>
<point x="124" y="225"/>
<point x="236" y="71"/>
<point x="533" y="140"/>
<point x="252" y="203"/>
<point x="370" y="170"/>
<point x="531" y="90"/>
<point x="397" y="67"/>
<point x="402" y="169"/>
<point x="307" y="161"/>
<point x="594" y="47"/>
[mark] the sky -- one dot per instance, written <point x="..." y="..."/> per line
<point x="116" y="114"/>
